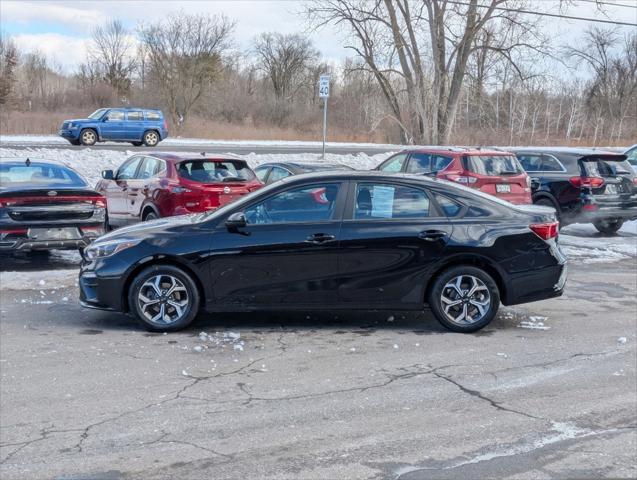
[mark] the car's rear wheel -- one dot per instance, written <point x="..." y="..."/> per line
<point x="164" y="298"/>
<point x="151" y="138"/>
<point x="88" y="137"/>
<point x="464" y="298"/>
<point x="608" y="226"/>
<point x="546" y="202"/>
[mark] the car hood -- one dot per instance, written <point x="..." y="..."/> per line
<point x="79" y="120"/>
<point x="146" y="229"/>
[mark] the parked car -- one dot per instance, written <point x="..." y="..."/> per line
<point x="583" y="185"/>
<point x="494" y="172"/>
<point x="271" y="172"/>
<point x="45" y="205"/>
<point x="139" y="126"/>
<point x="146" y="187"/>
<point x="381" y="241"/>
<point x="631" y="156"/>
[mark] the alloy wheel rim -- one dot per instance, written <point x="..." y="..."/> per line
<point x="465" y="300"/>
<point x="88" y="137"/>
<point x="163" y="299"/>
<point x="151" y="138"/>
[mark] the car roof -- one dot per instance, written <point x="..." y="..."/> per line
<point x="576" y="151"/>
<point x="456" y="150"/>
<point x="177" y="158"/>
<point x="33" y="161"/>
<point x="358" y="174"/>
<point x="307" y="165"/>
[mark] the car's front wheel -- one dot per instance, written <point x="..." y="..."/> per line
<point x="164" y="298"/>
<point x="608" y="226"/>
<point x="137" y="144"/>
<point x="464" y="298"/>
<point x="88" y="137"/>
<point x="151" y="138"/>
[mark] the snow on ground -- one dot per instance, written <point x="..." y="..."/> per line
<point x="90" y="162"/>
<point x="584" y="242"/>
<point x="42" y="280"/>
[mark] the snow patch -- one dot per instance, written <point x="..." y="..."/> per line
<point x="28" y="280"/>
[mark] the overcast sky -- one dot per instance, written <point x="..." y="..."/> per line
<point x="61" y="29"/>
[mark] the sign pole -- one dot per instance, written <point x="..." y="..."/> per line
<point x="324" y="93"/>
<point x="324" y="125"/>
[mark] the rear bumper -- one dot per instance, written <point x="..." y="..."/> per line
<point x="24" y="242"/>
<point x="548" y="282"/>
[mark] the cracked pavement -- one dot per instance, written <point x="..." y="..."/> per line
<point x="90" y="395"/>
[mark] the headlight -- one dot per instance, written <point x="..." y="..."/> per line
<point x="108" y="248"/>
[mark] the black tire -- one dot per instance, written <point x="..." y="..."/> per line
<point x="150" y="215"/>
<point x="465" y="272"/>
<point x="547" y="202"/>
<point x="608" y="226"/>
<point x="189" y="295"/>
<point x="88" y="137"/>
<point x="150" y="138"/>
<point x="137" y="144"/>
<point x="74" y="142"/>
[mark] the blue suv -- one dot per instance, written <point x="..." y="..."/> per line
<point x="138" y="126"/>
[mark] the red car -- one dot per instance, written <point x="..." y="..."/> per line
<point x="490" y="171"/>
<point x="151" y="186"/>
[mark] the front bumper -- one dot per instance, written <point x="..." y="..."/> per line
<point x="70" y="133"/>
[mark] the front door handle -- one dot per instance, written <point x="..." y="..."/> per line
<point x="319" y="238"/>
<point x="432" y="235"/>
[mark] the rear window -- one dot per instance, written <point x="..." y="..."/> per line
<point x="151" y="115"/>
<point x="211" y="171"/>
<point x="493" y="165"/>
<point x="38" y="176"/>
<point x="605" y="167"/>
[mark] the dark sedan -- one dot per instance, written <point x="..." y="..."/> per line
<point x="583" y="185"/>
<point x="369" y="241"/>
<point x="45" y="205"/>
<point x="271" y="172"/>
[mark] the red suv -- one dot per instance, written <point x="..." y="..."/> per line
<point x="146" y="187"/>
<point x="490" y="171"/>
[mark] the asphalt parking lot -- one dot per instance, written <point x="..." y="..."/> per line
<point x="548" y="390"/>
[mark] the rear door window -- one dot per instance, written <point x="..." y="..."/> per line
<point x="277" y="173"/>
<point x="493" y="165"/>
<point x="449" y="207"/>
<point x="213" y="171"/>
<point x="530" y="162"/>
<point x="135" y="116"/>
<point x="394" y="164"/>
<point x="378" y="201"/>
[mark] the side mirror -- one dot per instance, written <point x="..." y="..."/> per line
<point x="235" y="221"/>
<point x="108" y="175"/>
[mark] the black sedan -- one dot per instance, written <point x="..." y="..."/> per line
<point x="347" y="240"/>
<point x="45" y="205"/>
<point x="271" y="172"/>
<point x="583" y="185"/>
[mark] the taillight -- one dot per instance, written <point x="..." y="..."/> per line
<point x="165" y="124"/>
<point x="588" y="182"/>
<point x="590" y="207"/>
<point x="12" y="231"/>
<point x="463" y="179"/>
<point x="99" y="202"/>
<point x="545" y="231"/>
<point x="635" y="181"/>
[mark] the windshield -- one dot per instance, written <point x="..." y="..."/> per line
<point x="213" y="171"/>
<point x="97" y="113"/>
<point x="493" y="165"/>
<point x="38" y="175"/>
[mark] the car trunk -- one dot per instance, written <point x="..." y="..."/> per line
<point x="501" y="176"/>
<point x="204" y="196"/>
<point x="50" y="206"/>
<point x="608" y="180"/>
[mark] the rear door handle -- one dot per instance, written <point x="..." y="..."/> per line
<point x="432" y="235"/>
<point x="319" y="238"/>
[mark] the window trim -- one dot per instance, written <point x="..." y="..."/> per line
<point x="337" y="213"/>
<point x="402" y="167"/>
<point x="348" y="215"/>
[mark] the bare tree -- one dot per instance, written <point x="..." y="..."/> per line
<point x="112" y="55"/>
<point x="184" y="55"/>
<point x="8" y="64"/>
<point x="419" y="51"/>
<point x="285" y="59"/>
